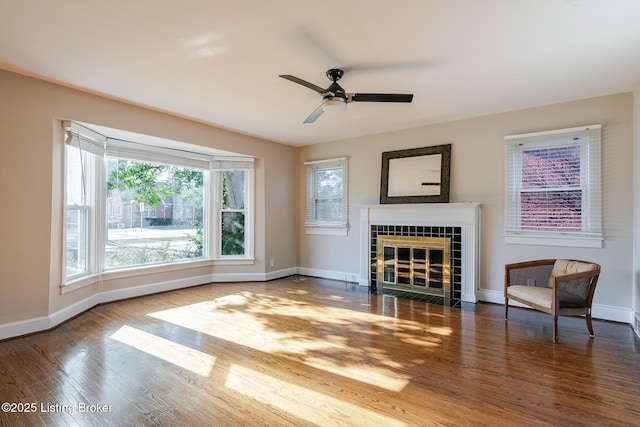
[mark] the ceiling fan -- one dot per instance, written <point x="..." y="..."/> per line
<point x="335" y="98"/>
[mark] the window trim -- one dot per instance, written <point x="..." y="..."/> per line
<point x="590" y="235"/>
<point x="313" y="225"/>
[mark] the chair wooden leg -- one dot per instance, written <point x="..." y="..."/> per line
<point x="589" y="325"/>
<point x="555" y="329"/>
<point x="506" y="308"/>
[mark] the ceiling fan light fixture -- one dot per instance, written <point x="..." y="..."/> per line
<point x="332" y="104"/>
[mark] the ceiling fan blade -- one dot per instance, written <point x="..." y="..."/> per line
<point x="313" y="116"/>
<point x="381" y="97"/>
<point x="303" y="83"/>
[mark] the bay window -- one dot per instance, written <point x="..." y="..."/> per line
<point x="134" y="204"/>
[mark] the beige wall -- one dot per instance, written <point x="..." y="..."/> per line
<point x="31" y="174"/>
<point x="31" y="178"/>
<point x="477" y="175"/>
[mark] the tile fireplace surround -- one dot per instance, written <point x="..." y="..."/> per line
<point x="461" y="221"/>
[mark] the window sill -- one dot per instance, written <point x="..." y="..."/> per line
<point x="130" y="272"/>
<point x="147" y="270"/>
<point x="568" y="241"/>
<point x="143" y="270"/>
<point x="79" y="283"/>
<point x="327" y="231"/>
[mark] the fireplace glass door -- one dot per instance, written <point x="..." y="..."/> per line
<point x="415" y="264"/>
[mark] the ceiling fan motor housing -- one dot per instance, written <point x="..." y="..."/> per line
<point x="335" y="74"/>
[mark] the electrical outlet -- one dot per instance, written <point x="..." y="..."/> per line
<point x="272" y="263"/>
<point x="531" y="282"/>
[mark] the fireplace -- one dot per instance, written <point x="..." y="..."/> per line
<point x="415" y="264"/>
<point x="429" y="250"/>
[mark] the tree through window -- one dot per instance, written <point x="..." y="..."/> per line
<point x="163" y="206"/>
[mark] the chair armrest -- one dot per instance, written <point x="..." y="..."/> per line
<point x="581" y="285"/>
<point x="514" y="267"/>
<point x="576" y="276"/>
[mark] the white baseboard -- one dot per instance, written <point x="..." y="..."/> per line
<point x="29" y="326"/>
<point x="328" y="274"/>
<point x="281" y="273"/>
<point x="24" y="327"/>
<point x="598" y="311"/>
<point x="14" y="329"/>
<point x="253" y="277"/>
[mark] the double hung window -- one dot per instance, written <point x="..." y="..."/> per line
<point x="553" y="188"/>
<point x="326" y="196"/>
<point x="82" y="157"/>
<point x="233" y="206"/>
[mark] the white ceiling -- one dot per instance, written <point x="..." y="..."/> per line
<point x="218" y="61"/>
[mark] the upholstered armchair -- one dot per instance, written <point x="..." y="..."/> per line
<point x="558" y="287"/>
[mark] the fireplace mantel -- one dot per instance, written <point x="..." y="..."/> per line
<point x="464" y="215"/>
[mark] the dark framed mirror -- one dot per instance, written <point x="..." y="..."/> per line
<point x="417" y="175"/>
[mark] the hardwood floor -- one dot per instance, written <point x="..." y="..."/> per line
<point x="306" y="351"/>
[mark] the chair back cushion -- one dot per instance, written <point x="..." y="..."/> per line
<point x="563" y="267"/>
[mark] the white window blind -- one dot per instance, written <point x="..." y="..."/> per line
<point x="553" y="185"/>
<point x="326" y="194"/>
<point x="153" y="154"/>
<point x="220" y="163"/>
<point x="83" y="138"/>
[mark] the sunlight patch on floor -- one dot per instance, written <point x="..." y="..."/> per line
<point x="373" y="375"/>
<point x="308" y="405"/>
<point x="186" y="357"/>
<point x="329" y="338"/>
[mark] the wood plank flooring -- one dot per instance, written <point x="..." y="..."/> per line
<point x="304" y="351"/>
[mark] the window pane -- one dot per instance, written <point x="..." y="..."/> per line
<point x="551" y="210"/>
<point x="328" y="209"/>
<point x="154" y="213"/>
<point x="76" y="244"/>
<point x="329" y="183"/>
<point x="551" y="167"/>
<point x="232" y="233"/>
<point x="233" y="189"/>
<point x="74" y="178"/>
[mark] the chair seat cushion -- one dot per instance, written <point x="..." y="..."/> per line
<point x="534" y="294"/>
